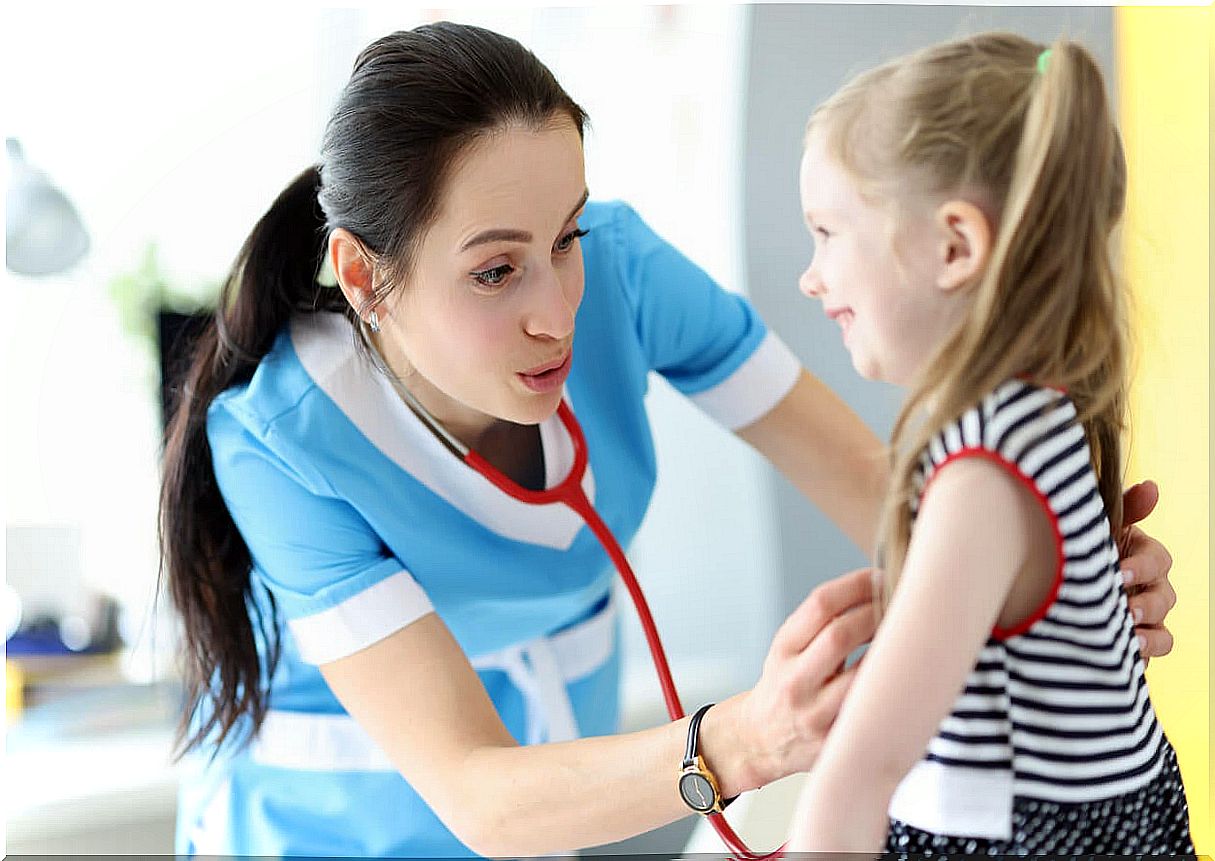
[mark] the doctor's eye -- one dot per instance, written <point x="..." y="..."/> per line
<point x="493" y="277"/>
<point x="566" y="242"/>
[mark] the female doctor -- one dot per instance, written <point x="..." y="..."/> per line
<point x="389" y="654"/>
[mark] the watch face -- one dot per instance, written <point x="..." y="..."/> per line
<point x="697" y="792"/>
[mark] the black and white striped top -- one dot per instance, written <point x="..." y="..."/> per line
<point x="1057" y="708"/>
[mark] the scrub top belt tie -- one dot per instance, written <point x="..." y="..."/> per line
<point x="541" y="668"/>
<point x="532" y="668"/>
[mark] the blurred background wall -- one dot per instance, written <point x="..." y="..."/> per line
<point x="173" y="130"/>
<point x="1164" y="75"/>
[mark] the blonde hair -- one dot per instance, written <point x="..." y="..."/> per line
<point x="976" y="115"/>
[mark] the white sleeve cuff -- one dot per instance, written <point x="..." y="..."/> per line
<point x="759" y="384"/>
<point x="365" y="618"/>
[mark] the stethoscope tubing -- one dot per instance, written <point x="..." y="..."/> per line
<point x="570" y="493"/>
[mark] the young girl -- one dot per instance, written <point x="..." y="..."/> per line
<point x="962" y="200"/>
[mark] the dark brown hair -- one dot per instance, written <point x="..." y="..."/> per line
<point x="414" y="101"/>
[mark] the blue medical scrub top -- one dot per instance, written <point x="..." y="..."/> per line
<point x="359" y="522"/>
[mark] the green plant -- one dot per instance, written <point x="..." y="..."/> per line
<point x="144" y="291"/>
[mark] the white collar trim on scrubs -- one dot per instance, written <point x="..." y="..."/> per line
<point x="324" y="343"/>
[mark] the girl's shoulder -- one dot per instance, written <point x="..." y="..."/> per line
<point x="1030" y="429"/>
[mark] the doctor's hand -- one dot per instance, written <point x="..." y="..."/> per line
<point x="779" y="725"/>
<point x="1146" y="563"/>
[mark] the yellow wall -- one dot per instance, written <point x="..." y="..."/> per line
<point x="1164" y="86"/>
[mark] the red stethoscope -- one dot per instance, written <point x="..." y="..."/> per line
<point x="569" y="492"/>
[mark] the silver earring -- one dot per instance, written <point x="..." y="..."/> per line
<point x="373" y="321"/>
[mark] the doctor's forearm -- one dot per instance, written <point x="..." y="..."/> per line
<point x="550" y="798"/>
<point x="502" y="799"/>
<point x="829" y="454"/>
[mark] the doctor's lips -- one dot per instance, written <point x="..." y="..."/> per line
<point x="549" y="376"/>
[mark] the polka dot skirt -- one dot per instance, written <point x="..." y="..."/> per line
<point x="1154" y="820"/>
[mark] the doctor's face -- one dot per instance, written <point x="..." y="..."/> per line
<point x="484" y="328"/>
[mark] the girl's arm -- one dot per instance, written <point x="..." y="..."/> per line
<point x="828" y="453"/>
<point x="420" y="700"/>
<point x="972" y="538"/>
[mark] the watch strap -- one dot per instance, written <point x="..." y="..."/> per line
<point x="689" y="754"/>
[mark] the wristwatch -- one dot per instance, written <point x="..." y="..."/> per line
<point x="697" y="785"/>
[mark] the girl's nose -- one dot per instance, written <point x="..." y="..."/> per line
<point x="810" y="283"/>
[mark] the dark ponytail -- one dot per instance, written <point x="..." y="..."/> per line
<point x="415" y="100"/>
<point x="207" y="560"/>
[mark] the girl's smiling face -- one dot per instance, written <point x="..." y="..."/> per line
<point x="876" y="273"/>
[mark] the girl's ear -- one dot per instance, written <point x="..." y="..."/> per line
<point x="965" y="239"/>
<point x="352" y="269"/>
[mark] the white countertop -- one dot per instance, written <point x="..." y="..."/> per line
<point x="68" y="785"/>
